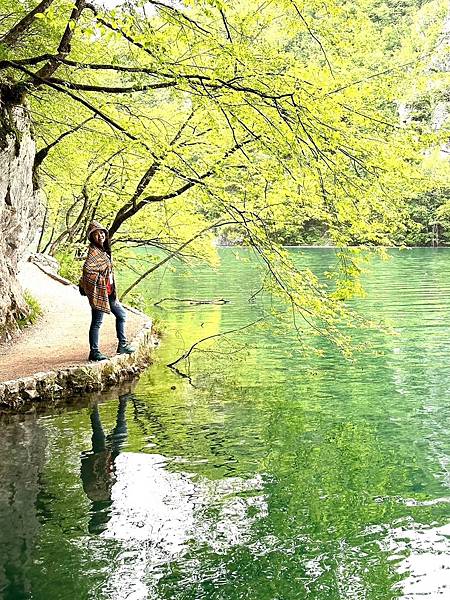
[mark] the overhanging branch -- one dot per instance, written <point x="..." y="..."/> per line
<point x="132" y="207"/>
<point x="172" y="254"/>
<point x="111" y="89"/>
<point x="209" y="337"/>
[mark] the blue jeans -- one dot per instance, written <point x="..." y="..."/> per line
<point x="97" y="317"/>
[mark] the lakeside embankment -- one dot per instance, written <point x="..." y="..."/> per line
<point x="48" y="360"/>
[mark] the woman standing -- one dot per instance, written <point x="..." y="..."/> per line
<point x="98" y="284"/>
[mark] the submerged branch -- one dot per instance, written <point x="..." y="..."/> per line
<point x="192" y="301"/>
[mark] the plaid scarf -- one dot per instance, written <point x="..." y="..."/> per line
<point x="96" y="270"/>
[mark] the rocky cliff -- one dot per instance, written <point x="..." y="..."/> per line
<point x="19" y="206"/>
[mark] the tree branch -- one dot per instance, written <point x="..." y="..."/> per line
<point x="180" y="13"/>
<point x="132" y="207"/>
<point x="172" y="254"/>
<point x="210" y="337"/>
<point x="13" y="35"/>
<point x="41" y="155"/>
<point x="192" y="78"/>
<point x="225" y="22"/>
<point x="111" y="90"/>
<point x="70" y="229"/>
<point x="313" y="35"/>
<point x="79" y="99"/>
<point x="64" y="45"/>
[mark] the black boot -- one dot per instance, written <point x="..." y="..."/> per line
<point x="97" y="355"/>
<point x="125" y="348"/>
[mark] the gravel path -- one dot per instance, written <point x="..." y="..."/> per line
<point x="60" y="337"/>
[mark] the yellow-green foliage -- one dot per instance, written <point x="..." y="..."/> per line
<point x="69" y="267"/>
<point x="262" y="118"/>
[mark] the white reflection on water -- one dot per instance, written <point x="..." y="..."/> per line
<point x="156" y="512"/>
<point x="150" y="503"/>
<point x="422" y="555"/>
<point x="152" y="514"/>
<point x="426" y="569"/>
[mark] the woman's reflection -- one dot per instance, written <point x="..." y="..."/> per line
<point x="98" y="465"/>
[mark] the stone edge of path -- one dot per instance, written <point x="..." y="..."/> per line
<point x="52" y="386"/>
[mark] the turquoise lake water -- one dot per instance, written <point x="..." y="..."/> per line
<point x="269" y="476"/>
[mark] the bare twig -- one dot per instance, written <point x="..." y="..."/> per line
<point x="210" y="337"/>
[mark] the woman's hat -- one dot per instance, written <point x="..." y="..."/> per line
<point x="95" y="226"/>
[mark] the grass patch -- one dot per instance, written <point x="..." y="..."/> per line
<point x="34" y="311"/>
<point x="158" y="327"/>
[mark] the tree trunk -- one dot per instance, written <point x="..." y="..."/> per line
<point x="19" y="205"/>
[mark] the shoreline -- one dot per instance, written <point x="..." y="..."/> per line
<point x="52" y="386"/>
<point x="326" y="247"/>
<point x="47" y="361"/>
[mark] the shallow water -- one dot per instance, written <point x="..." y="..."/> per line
<point x="272" y="477"/>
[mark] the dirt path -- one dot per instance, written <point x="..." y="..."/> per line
<point x="60" y="338"/>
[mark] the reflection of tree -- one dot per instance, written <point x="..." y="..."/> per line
<point x="98" y="465"/>
<point x="22" y="458"/>
<point x="314" y="537"/>
<point x="147" y="420"/>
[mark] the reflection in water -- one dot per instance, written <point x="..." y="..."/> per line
<point x="152" y="517"/>
<point x="426" y="568"/>
<point x="158" y="516"/>
<point x="22" y="459"/>
<point x="153" y="513"/>
<point x="275" y="478"/>
<point x="98" y="465"/>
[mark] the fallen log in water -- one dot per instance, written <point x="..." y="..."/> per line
<point x="192" y="301"/>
